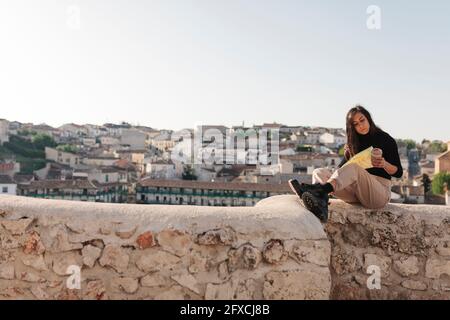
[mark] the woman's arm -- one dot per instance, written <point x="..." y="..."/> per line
<point x="391" y="162"/>
<point x="388" y="167"/>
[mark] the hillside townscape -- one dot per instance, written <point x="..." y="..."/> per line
<point x="124" y="163"/>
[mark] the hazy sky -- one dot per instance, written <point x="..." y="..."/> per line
<point x="175" y="64"/>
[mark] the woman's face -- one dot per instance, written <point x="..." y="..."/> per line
<point x="360" y="123"/>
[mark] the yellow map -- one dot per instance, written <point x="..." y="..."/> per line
<point x="362" y="159"/>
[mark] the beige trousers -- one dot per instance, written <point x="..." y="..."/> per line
<point x="355" y="185"/>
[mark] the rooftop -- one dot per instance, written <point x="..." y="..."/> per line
<point x="281" y="188"/>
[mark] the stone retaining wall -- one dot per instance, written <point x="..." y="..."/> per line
<point x="270" y="251"/>
<point x="409" y="243"/>
<point x="275" y="250"/>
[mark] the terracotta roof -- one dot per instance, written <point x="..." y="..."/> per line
<point x="235" y="170"/>
<point x="59" y="184"/>
<point x="281" y="188"/>
<point x="5" y="179"/>
<point x="445" y="155"/>
<point x="309" y="156"/>
<point x="23" y="178"/>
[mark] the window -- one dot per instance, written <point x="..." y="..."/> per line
<point x="4" y="189"/>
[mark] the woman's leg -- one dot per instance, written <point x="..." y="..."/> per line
<point x="373" y="192"/>
<point x="321" y="175"/>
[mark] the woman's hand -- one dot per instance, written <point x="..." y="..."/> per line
<point x="347" y="154"/>
<point x="378" y="162"/>
<point x="381" y="163"/>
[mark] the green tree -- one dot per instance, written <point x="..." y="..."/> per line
<point x="188" y="173"/>
<point x="341" y="151"/>
<point x="426" y="182"/>
<point x="42" y="140"/>
<point x="437" y="147"/>
<point x="67" y="148"/>
<point x="303" y="148"/>
<point x="439" y="179"/>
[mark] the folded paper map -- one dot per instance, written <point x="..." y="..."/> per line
<point x="362" y="159"/>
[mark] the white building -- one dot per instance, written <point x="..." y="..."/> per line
<point x="109" y="141"/>
<point x="4" y="135"/>
<point x="134" y="138"/>
<point x="312" y="137"/>
<point x="71" y="159"/>
<point x="71" y="130"/>
<point x="326" y="138"/>
<point x="7" y="185"/>
<point x="161" y="170"/>
<point x="340" y="139"/>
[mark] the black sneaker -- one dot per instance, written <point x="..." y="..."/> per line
<point x="317" y="203"/>
<point x="299" y="189"/>
<point x="295" y="187"/>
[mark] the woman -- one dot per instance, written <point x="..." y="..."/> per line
<point x="351" y="183"/>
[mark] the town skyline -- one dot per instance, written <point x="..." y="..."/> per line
<point x="248" y="125"/>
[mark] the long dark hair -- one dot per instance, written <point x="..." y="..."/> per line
<point x="353" y="137"/>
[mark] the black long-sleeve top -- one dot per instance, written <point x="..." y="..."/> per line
<point x="385" y="142"/>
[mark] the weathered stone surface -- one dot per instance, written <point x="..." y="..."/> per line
<point x="307" y="284"/>
<point x="127" y="284"/>
<point x="443" y="248"/>
<point x="33" y="244"/>
<point x="344" y="261"/>
<point x="434" y="268"/>
<point x="57" y="240"/>
<point x="40" y="293"/>
<point x="245" y="257"/>
<point x="95" y="290"/>
<point x="62" y="261"/>
<point x="222" y="291"/>
<point x="173" y="293"/>
<point x="223" y="271"/>
<point x="36" y="262"/>
<point x="246" y="290"/>
<point x="198" y="263"/>
<point x="188" y="281"/>
<point x="387" y="239"/>
<point x="226" y="261"/>
<point x="317" y="252"/>
<point x="67" y="294"/>
<point x="29" y="276"/>
<point x="156" y="260"/>
<point x="175" y="241"/>
<point x="407" y="266"/>
<point x="7" y="271"/>
<point x="126" y="232"/>
<point x="105" y="229"/>
<point x="145" y="240"/>
<point x="90" y="255"/>
<point x="414" y="285"/>
<point x="115" y="257"/>
<point x="75" y="227"/>
<point x="383" y="262"/>
<point x="225" y="236"/>
<point x="11" y="293"/>
<point x="17" y="227"/>
<point x="8" y="241"/>
<point x="155" y="280"/>
<point x="274" y="252"/>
